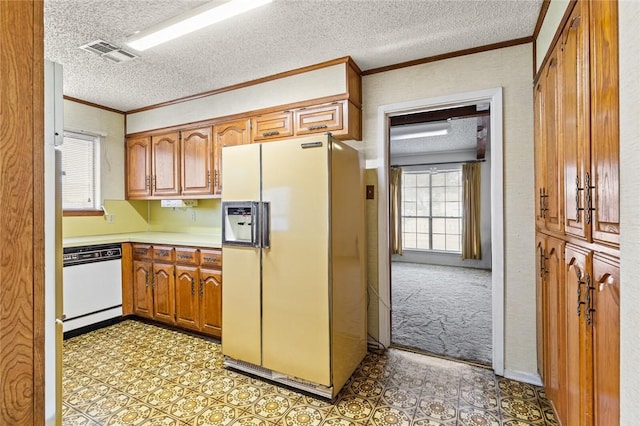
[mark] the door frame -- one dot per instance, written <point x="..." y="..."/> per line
<point x="494" y="98"/>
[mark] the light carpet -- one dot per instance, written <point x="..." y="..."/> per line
<point x="443" y="310"/>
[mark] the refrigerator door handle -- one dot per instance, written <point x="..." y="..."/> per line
<point x="255" y="220"/>
<point x="266" y="229"/>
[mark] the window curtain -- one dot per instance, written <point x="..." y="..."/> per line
<point x="471" y="211"/>
<point x="395" y="195"/>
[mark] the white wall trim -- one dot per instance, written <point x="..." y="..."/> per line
<point x="521" y="376"/>
<point x="494" y="96"/>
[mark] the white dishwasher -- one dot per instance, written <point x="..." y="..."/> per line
<point x="92" y="285"/>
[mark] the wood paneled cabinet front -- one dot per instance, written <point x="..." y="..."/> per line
<point x="227" y="134"/>
<point x="177" y="285"/>
<point x="550" y="291"/>
<point x="593" y="338"/>
<point x="176" y="164"/>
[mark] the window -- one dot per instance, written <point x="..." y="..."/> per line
<point x="432" y="210"/>
<point x="80" y="171"/>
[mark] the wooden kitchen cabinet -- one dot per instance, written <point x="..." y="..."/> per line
<point x="196" y="153"/>
<point x="211" y="282"/>
<point x="550" y="289"/>
<point x="276" y="125"/>
<point x="593" y="338"/>
<point x="576" y="103"/>
<point x="548" y="150"/>
<point x="165" y="164"/>
<point x="318" y="119"/>
<point x="142" y="288"/>
<point x="227" y="134"/>
<point x="164" y="290"/>
<point x="177" y="285"/>
<point x="138" y="167"/>
<point x="187" y="288"/>
<point x="188" y="297"/>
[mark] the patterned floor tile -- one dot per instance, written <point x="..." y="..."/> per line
<point x="134" y="373"/>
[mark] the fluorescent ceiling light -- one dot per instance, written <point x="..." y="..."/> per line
<point x="417" y="131"/>
<point x="193" y="20"/>
<point x="420" y="135"/>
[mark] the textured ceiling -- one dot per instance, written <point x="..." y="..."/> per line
<point x="283" y="35"/>
<point x="462" y="137"/>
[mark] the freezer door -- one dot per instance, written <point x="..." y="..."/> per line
<point x="295" y="268"/>
<point x="241" y="264"/>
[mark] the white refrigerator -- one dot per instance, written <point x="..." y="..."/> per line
<point x="53" y="334"/>
<point x="293" y="262"/>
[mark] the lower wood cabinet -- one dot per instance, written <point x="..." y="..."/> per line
<point x="181" y="286"/>
<point x="579" y="329"/>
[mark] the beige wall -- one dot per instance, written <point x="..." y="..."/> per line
<point x="548" y="29"/>
<point x="510" y="68"/>
<point x="629" y="16"/>
<point x="327" y="81"/>
<point x="110" y="124"/>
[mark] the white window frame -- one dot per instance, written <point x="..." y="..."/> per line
<point x="96" y="139"/>
<point x="431" y="217"/>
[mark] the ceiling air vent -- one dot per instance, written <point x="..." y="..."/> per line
<point x="108" y="51"/>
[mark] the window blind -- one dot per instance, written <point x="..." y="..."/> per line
<point x="80" y="178"/>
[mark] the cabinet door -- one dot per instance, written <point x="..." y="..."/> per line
<point x="578" y="355"/>
<point x="138" y="168"/>
<point x="142" y="289"/>
<point x="541" y="323"/>
<point x="575" y="112"/>
<point x="165" y="167"/>
<point x="318" y="119"/>
<point x="553" y="196"/>
<point x="211" y="302"/>
<point x="197" y="154"/>
<point x="227" y="134"/>
<point x="164" y="292"/>
<point x="187" y="297"/>
<point x="606" y="341"/>
<point x="605" y="175"/>
<point x="272" y="126"/>
<point x="555" y="308"/>
<point x="539" y="162"/>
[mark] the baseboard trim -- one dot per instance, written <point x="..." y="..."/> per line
<point x="521" y="376"/>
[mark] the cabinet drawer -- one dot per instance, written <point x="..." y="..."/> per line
<point x="211" y="258"/>
<point x="320" y="119"/>
<point x="187" y="255"/>
<point x="142" y="252"/>
<point x="163" y="253"/>
<point x="272" y="126"/>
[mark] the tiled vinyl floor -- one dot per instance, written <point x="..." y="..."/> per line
<point x="134" y="373"/>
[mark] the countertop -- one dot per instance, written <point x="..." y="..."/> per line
<point x="174" y="238"/>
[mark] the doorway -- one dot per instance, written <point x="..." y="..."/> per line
<point x="440" y="221"/>
<point x="493" y="98"/>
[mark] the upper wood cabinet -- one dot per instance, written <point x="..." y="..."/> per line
<point x="227" y="134"/>
<point x="138" y="167"/>
<point x="342" y="119"/>
<point x="591" y="116"/>
<point x="549" y="171"/>
<point x="605" y="145"/>
<point x="272" y="126"/>
<point x="165" y="164"/>
<point x="170" y="165"/>
<point x="197" y="161"/>
<point x="575" y="123"/>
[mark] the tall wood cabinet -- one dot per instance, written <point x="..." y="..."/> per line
<point x="577" y="220"/>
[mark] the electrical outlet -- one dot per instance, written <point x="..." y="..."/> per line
<point x="193" y="215"/>
<point x="111" y="218"/>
